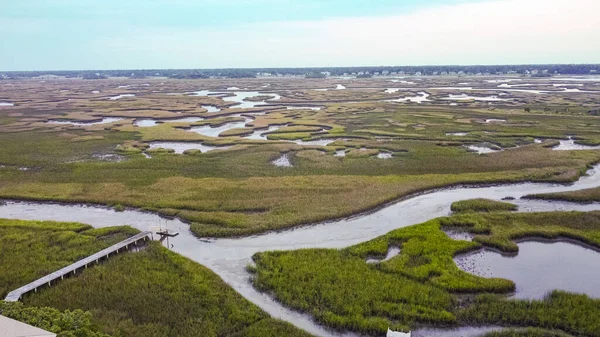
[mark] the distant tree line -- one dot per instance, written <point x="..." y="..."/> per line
<point x="318" y="72"/>
<point x="316" y="75"/>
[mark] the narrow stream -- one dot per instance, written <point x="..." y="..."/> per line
<point x="465" y="97"/>
<point x="263" y="134"/>
<point x="229" y="257"/>
<point x="422" y="97"/>
<point x="568" y="145"/>
<point x="181" y="147"/>
<point x="114" y="98"/>
<point x="149" y="122"/>
<point x="104" y="120"/>
<point x="210" y="131"/>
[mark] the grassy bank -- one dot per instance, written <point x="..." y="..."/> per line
<point x="582" y="196"/>
<point x="575" y="314"/>
<point x="150" y="293"/>
<point x="32" y="249"/>
<point x="236" y="206"/>
<point x="529" y="332"/>
<point x="420" y="285"/>
<point x="482" y="205"/>
<point x="159" y="293"/>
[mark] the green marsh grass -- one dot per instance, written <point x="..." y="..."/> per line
<point x="482" y="205"/>
<point x="156" y="292"/>
<point x="153" y="292"/>
<point x="220" y="192"/>
<point x="32" y="249"/>
<point x="527" y="332"/>
<point x="239" y="192"/>
<point x="420" y="285"/>
<point x="582" y="196"/>
<point x="70" y="323"/>
<point x="575" y="314"/>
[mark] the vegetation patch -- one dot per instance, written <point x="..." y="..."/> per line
<point x="32" y="249"/>
<point x="218" y="191"/>
<point x="582" y="196"/>
<point x="76" y="323"/>
<point x="482" y="205"/>
<point x="238" y="132"/>
<point x="420" y="285"/>
<point x="159" y="293"/>
<point x="527" y="332"/>
<point x="575" y="314"/>
<point x="154" y="292"/>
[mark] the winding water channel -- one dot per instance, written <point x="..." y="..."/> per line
<point x="229" y="257"/>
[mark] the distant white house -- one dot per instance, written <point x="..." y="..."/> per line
<point x="11" y="328"/>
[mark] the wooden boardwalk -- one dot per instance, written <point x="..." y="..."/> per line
<point x="15" y="295"/>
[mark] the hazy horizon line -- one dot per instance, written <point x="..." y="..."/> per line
<point x="314" y="67"/>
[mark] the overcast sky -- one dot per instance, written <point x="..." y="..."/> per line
<point x="134" y="34"/>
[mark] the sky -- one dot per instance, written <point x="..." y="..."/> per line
<point x="158" y="34"/>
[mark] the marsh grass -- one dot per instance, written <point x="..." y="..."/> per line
<point x="575" y="314"/>
<point x="582" y="196"/>
<point x="527" y="332"/>
<point x="482" y="205"/>
<point x="32" y="249"/>
<point x="226" y="206"/>
<point x="153" y="292"/>
<point x="342" y="291"/>
<point x="238" y="191"/>
<point x="156" y="292"/>
<point x="76" y="323"/>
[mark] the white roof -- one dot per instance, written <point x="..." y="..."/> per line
<point x="11" y="328"/>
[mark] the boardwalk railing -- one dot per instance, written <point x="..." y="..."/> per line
<point x="15" y="295"/>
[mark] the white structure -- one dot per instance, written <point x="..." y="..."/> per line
<point x="11" y="328"/>
<point x="391" y="333"/>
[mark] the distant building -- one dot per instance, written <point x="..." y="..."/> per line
<point x="11" y="328"/>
